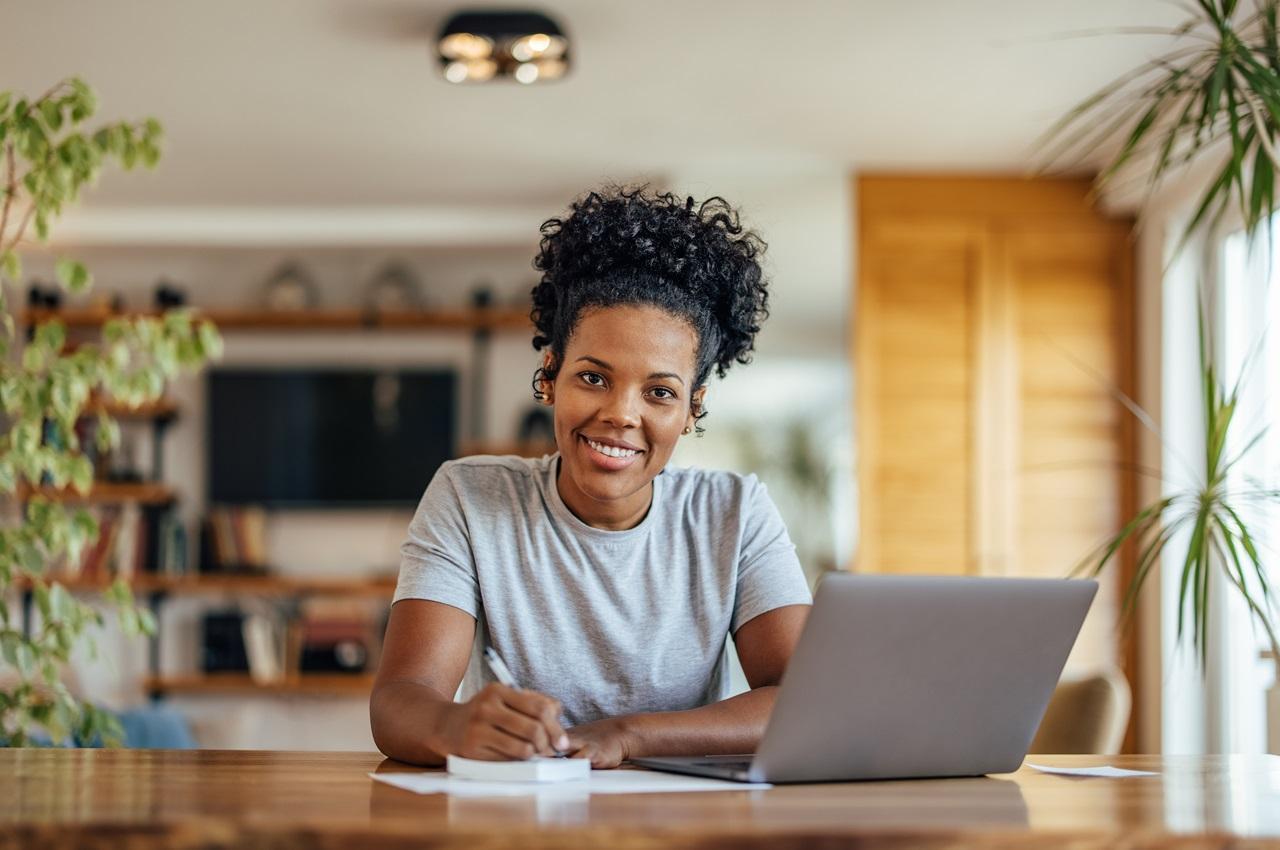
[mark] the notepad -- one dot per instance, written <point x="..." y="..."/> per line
<point x="531" y="770"/>
<point x="1106" y="770"/>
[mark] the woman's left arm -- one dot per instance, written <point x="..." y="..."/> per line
<point x="734" y="725"/>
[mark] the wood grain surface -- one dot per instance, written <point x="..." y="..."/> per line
<point x="215" y="799"/>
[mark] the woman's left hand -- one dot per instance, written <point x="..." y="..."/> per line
<point x="602" y="741"/>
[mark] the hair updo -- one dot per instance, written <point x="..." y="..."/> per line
<point x="627" y="246"/>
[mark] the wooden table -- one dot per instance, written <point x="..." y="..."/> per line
<point x="214" y="799"/>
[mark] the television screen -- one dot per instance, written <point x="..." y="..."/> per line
<point x="310" y="438"/>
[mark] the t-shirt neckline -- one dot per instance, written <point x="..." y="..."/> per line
<point x="562" y="512"/>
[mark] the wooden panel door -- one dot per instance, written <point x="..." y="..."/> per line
<point x="916" y="350"/>
<point x="1067" y="312"/>
<point x="990" y="337"/>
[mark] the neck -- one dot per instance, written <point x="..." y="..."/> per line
<point x="608" y="515"/>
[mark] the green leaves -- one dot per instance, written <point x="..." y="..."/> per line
<point x="1220" y="84"/>
<point x="1220" y="538"/>
<point x="11" y="265"/>
<point x="49" y="156"/>
<point x="73" y="275"/>
<point x="54" y="160"/>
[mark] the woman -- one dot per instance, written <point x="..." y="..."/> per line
<point x="607" y="582"/>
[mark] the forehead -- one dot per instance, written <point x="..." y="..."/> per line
<point x="636" y="337"/>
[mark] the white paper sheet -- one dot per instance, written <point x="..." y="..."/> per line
<point x="600" y="782"/>
<point x="1105" y="770"/>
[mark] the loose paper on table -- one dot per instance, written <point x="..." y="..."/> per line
<point x="600" y="782"/>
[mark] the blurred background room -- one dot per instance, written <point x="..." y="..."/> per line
<point x="977" y="361"/>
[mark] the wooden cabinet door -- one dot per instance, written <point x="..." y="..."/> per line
<point x="990" y="338"/>
<point x="915" y="384"/>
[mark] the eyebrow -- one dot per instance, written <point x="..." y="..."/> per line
<point x="603" y="365"/>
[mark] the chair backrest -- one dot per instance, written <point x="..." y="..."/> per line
<point x="1086" y="715"/>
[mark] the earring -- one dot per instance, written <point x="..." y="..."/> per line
<point x="686" y="431"/>
<point x="539" y="377"/>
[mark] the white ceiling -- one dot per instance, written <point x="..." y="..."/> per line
<point x="337" y="104"/>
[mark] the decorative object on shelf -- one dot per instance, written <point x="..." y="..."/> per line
<point x="42" y="297"/>
<point x="337" y="636"/>
<point x="169" y="295"/>
<point x="1219" y="91"/>
<point x="122" y="461"/>
<point x="527" y="46"/>
<point x="482" y="296"/>
<point x="222" y="648"/>
<point x="394" y="289"/>
<point x="49" y="157"/>
<point x="291" y="287"/>
<point x="537" y="426"/>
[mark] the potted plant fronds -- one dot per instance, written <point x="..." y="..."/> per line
<point x="1216" y="93"/>
<point x="45" y="159"/>
<point x="1217" y="517"/>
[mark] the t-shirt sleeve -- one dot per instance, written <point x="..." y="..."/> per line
<point x="436" y="561"/>
<point x="769" y="573"/>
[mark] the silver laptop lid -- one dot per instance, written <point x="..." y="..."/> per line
<point x="914" y="676"/>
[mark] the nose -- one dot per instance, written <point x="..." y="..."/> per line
<point x="621" y="410"/>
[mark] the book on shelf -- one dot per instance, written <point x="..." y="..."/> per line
<point x="234" y="540"/>
<point x="171" y="559"/>
<point x="120" y="550"/>
<point x="264" y="645"/>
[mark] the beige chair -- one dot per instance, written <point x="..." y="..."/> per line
<point x="1087" y="715"/>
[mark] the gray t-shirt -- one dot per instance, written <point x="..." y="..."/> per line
<point x="608" y="622"/>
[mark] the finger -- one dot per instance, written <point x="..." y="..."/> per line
<point x="524" y="727"/>
<point x="505" y="747"/>
<point x="542" y="708"/>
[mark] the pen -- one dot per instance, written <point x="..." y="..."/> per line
<point x="503" y="675"/>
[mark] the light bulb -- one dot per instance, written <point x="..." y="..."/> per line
<point x="526" y="72"/>
<point x="537" y="45"/>
<point x="470" y="70"/>
<point x="465" y="45"/>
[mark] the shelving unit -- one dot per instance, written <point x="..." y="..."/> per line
<point x="156" y="497"/>
<point x="208" y="584"/>
<point x="314" y="684"/>
<point x="149" y="493"/>
<point x="352" y="319"/>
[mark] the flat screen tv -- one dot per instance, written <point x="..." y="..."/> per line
<point x="327" y="438"/>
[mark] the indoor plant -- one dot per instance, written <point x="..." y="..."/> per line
<point x="45" y="159"/>
<point x="1216" y="93"/>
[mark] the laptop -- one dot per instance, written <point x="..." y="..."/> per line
<point x="898" y="677"/>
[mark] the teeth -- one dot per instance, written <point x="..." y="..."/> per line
<point x="611" y="451"/>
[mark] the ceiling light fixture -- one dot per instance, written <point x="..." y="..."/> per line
<point x="475" y="47"/>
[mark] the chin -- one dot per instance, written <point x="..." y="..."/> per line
<point x="606" y="487"/>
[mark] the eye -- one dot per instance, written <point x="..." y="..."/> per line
<point x="594" y="379"/>
<point x="664" y="393"/>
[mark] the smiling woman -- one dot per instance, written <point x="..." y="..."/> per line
<point x="606" y="580"/>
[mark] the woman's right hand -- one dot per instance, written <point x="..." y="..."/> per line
<point x="505" y="724"/>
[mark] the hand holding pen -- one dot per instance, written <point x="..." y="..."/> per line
<point x="502" y="723"/>
<point x="559" y="741"/>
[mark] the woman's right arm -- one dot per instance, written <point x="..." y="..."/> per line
<point x="412" y="712"/>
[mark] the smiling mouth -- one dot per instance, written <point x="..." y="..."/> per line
<point x="609" y="459"/>
<point x="611" y="451"/>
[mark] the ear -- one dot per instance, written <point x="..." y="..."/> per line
<point x="547" y="386"/>
<point x="695" y="408"/>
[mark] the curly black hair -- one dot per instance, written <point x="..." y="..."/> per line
<point x="629" y="246"/>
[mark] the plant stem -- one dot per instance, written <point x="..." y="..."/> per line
<point x="11" y="187"/>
